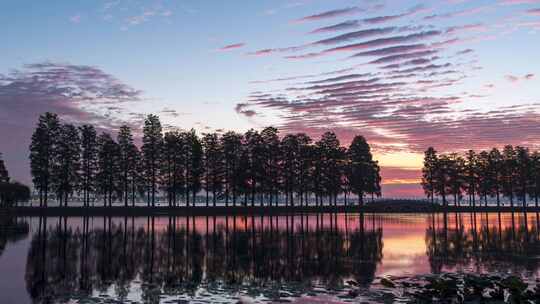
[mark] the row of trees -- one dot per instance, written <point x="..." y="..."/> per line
<point x="230" y="167"/>
<point x="513" y="174"/>
<point x="11" y="192"/>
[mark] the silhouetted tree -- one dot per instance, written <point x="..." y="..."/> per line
<point x="42" y="153"/>
<point x="89" y="161"/>
<point x="127" y="161"/>
<point x="534" y="184"/>
<point x="428" y="173"/>
<point x="513" y="173"/>
<point x="442" y="177"/>
<point x="4" y="175"/>
<point x="290" y="166"/>
<point x="523" y="173"/>
<point x="458" y="180"/>
<point x="232" y="146"/>
<point x="65" y="173"/>
<point x="108" y="175"/>
<point x="362" y="176"/>
<point x="13" y="192"/>
<point x="195" y="165"/>
<point x="305" y="165"/>
<point x="509" y="172"/>
<point x="495" y="165"/>
<point x="374" y="180"/>
<point x="471" y="175"/>
<point x="485" y="176"/>
<point x="151" y="154"/>
<point x="270" y="154"/>
<point x="228" y="166"/>
<point x="171" y="165"/>
<point x="255" y="171"/>
<point x="213" y="164"/>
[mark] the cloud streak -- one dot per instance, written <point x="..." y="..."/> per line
<point x="231" y="47"/>
<point x="331" y="14"/>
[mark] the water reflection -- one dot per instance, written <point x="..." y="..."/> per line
<point x="11" y="231"/>
<point x="182" y="254"/>
<point x="484" y="242"/>
<point x="159" y="259"/>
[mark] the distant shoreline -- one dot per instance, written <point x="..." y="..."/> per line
<point x="248" y="210"/>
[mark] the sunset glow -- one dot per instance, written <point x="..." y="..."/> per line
<point x="407" y="75"/>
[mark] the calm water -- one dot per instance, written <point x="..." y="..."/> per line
<point x="299" y="259"/>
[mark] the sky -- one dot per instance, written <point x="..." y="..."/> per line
<point x="452" y="74"/>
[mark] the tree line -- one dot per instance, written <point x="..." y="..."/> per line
<point x="512" y="174"/>
<point x="230" y="167"/>
<point x="11" y="192"/>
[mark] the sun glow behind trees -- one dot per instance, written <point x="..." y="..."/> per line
<point x="231" y="168"/>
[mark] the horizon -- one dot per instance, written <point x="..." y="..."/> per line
<point x="452" y="74"/>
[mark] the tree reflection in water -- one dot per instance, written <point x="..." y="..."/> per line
<point x="180" y="255"/>
<point x="11" y="231"/>
<point x="484" y="242"/>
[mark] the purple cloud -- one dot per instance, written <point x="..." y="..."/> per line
<point x="331" y="14"/>
<point x="78" y="93"/>
<point x="346" y="25"/>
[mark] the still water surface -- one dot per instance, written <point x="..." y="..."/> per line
<point x="294" y="258"/>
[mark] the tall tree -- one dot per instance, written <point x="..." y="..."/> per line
<point x="485" y="176"/>
<point x="330" y="156"/>
<point x="151" y="154"/>
<point x="195" y="164"/>
<point x="509" y="173"/>
<point x="534" y="184"/>
<point x="362" y="176"/>
<point x="523" y="173"/>
<point x="442" y="177"/>
<point x="471" y="173"/>
<point x="4" y="175"/>
<point x="108" y="175"/>
<point x="374" y="180"/>
<point x="42" y="153"/>
<point x="271" y="153"/>
<point x="495" y="172"/>
<point x="255" y="171"/>
<point x="290" y="148"/>
<point x="89" y="153"/>
<point x="170" y="165"/>
<point x="65" y="174"/>
<point x="213" y="164"/>
<point x="127" y="161"/>
<point x="232" y="147"/>
<point x="428" y="173"/>
<point x="456" y="179"/>
<point x="305" y="165"/>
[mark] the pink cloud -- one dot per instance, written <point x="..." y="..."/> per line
<point x="535" y="12"/>
<point x="232" y="46"/>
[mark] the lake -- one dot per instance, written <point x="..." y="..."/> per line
<point x="315" y="258"/>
